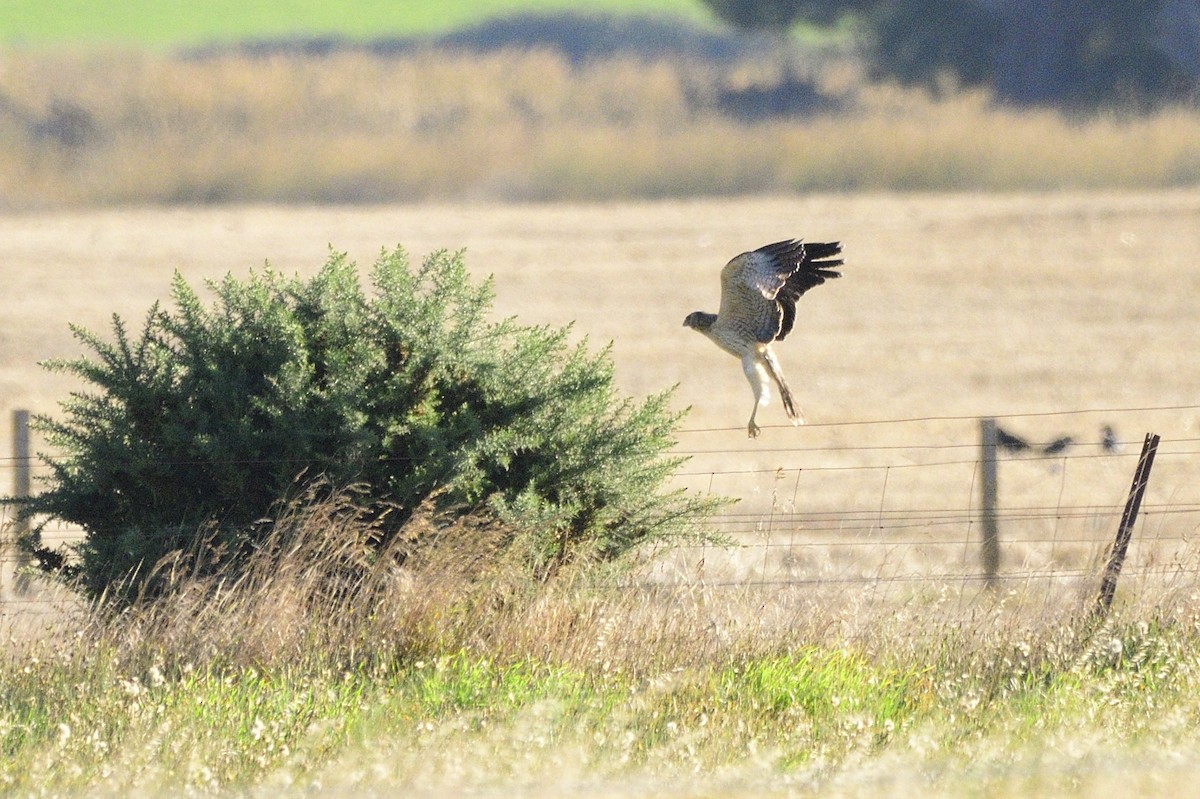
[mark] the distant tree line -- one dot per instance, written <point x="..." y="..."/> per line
<point x="1075" y="53"/>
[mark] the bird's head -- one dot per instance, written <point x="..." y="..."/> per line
<point x="699" y="320"/>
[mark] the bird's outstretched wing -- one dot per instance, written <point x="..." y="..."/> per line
<point x="759" y="289"/>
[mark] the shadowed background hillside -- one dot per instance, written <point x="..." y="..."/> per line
<point x="550" y="106"/>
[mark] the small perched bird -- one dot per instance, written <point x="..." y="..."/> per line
<point x="1108" y="439"/>
<point x="1010" y="441"/>
<point x="1058" y="446"/>
<point x="759" y="290"/>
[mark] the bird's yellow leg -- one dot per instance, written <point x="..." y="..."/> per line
<point x="756" y="374"/>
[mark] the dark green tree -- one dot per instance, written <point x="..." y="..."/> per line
<point x="211" y="416"/>
<point x="794" y="92"/>
<point x="782" y="15"/>
<point x="930" y="42"/>
<point x="1131" y="53"/>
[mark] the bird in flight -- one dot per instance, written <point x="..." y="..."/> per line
<point x="759" y="290"/>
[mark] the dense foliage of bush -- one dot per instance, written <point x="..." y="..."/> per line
<point x="211" y="416"/>
<point x="782" y="14"/>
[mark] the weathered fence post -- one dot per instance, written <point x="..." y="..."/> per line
<point x="22" y="463"/>
<point x="1141" y="476"/>
<point x="991" y="529"/>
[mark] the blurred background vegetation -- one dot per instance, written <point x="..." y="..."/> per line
<point x="555" y="100"/>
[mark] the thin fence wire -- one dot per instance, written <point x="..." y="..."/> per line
<point x="13" y="463"/>
<point x="965" y="418"/>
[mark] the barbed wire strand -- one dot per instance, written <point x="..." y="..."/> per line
<point x="958" y="418"/>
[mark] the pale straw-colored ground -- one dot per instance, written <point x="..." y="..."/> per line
<point x="1081" y="307"/>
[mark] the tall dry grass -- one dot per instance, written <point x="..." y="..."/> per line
<point x="324" y="669"/>
<point x="135" y="128"/>
<point x="317" y="593"/>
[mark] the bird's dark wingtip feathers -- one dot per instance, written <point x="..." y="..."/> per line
<point x="817" y="254"/>
<point x="788" y="251"/>
<point x="817" y="251"/>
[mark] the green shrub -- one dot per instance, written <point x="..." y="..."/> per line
<point x="211" y="416"/>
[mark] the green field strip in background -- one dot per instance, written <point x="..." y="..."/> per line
<point x="176" y="23"/>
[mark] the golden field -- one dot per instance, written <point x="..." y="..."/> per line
<point x="1063" y="311"/>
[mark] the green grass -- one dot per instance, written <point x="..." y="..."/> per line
<point x="165" y="24"/>
<point x="91" y="724"/>
<point x="104" y="727"/>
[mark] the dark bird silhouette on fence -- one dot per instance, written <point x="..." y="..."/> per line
<point x="1011" y="442"/>
<point x="1058" y="446"/>
<point x="1108" y="440"/>
<point x="759" y="290"/>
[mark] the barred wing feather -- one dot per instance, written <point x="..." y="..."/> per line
<point x="759" y="289"/>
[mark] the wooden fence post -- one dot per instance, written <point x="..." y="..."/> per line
<point x="22" y="464"/>
<point x="1141" y="476"/>
<point x="991" y="529"/>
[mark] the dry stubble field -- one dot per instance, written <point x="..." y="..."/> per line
<point x="1032" y="307"/>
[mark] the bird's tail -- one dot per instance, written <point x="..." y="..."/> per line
<point x="789" y="404"/>
<point x="785" y="393"/>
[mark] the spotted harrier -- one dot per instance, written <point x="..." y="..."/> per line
<point x="758" y="306"/>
